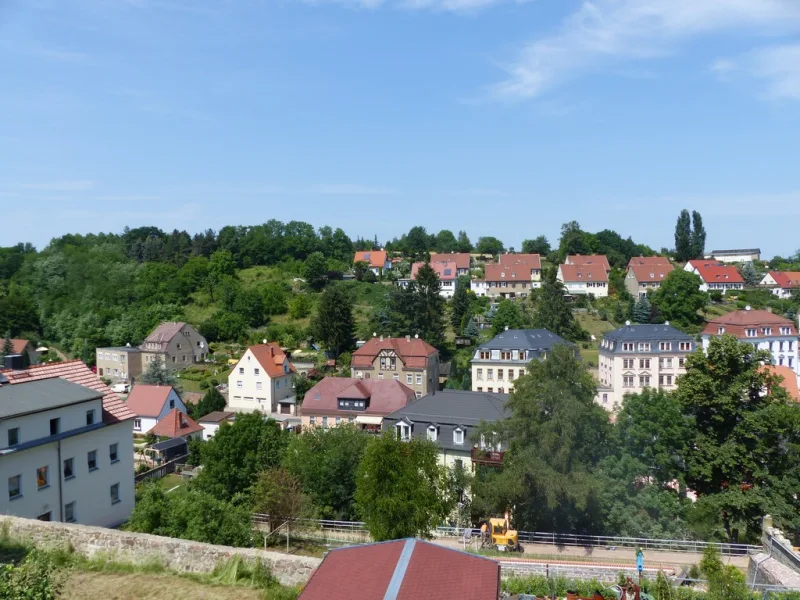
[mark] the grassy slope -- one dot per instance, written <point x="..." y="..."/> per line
<point x="597" y="327"/>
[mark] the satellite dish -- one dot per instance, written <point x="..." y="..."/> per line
<point x="416" y="336"/>
<point x="202" y="344"/>
<point x="264" y="341"/>
<point x="747" y="307"/>
<point x="628" y="323"/>
<point x="666" y="322"/>
<point x="128" y="345"/>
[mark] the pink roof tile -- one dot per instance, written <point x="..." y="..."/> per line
<point x="589" y="259"/>
<point x="585" y="272"/>
<point x="413" y="352"/>
<point x="17" y="345"/>
<point x="786" y="279"/>
<point x="534" y="261"/>
<point x="711" y="271"/>
<point x="447" y="271"/>
<point x="175" y="424"/>
<point x="148" y="400"/>
<point x="462" y="259"/>
<point x="384" y="396"/>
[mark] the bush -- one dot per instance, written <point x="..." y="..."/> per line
<point x="204" y="385"/>
<point x="716" y="296"/>
<point x="214" y="381"/>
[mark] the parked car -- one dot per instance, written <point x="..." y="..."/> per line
<point x="121" y="388"/>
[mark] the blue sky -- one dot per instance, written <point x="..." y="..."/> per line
<point x="500" y="117"/>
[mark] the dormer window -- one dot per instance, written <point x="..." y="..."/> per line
<point x="720" y="330"/>
<point x="433" y="433"/>
<point x="458" y="436"/>
<point x="403" y="432"/>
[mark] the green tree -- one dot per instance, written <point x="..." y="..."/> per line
<point x="679" y="298"/>
<point x="279" y="494"/>
<point x="300" y="307"/>
<point x="36" y="577"/>
<point x="619" y="313"/>
<point x="220" y="265"/>
<point x="698" y="236"/>
<point x="463" y="244"/>
<point x="360" y="268"/>
<point x="746" y="439"/>
<point x="325" y="461"/>
<point x="459" y="306"/>
<point x="8" y="346"/>
<point x="556" y="435"/>
<point x="236" y="454"/>
<point x="471" y="330"/>
<point x="333" y="323"/>
<point x="401" y="490"/>
<point x="446" y="241"/>
<point x="552" y="311"/>
<point x="683" y="237"/>
<point x="509" y="315"/>
<point x="302" y="384"/>
<point x="211" y="401"/>
<point x="642" y="310"/>
<point x="315" y="270"/>
<point x="573" y="240"/>
<point x="750" y="275"/>
<point x="416" y="309"/>
<point x="418" y="243"/>
<point x="489" y="245"/>
<point x="157" y="374"/>
<point x="540" y="245"/>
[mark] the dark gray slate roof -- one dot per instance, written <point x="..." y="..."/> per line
<point x="524" y="339"/>
<point x="455" y="407"/>
<point x="645" y="333"/>
<point x="45" y="394"/>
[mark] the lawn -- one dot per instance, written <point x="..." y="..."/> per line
<point x="596" y="327"/>
<point x="172" y="481"/>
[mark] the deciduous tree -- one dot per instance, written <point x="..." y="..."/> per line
<point x="540" y="245"/>
<point x="463" y="244"/>
<point x="552" y="312"/>
<point x="489" y="245"/>
<point x="315" y="270"/>
<point x="279" y="494"/>
<point x="509" y="315"/>
<point x="679" y="298"/>
<point x="333" y="323"/>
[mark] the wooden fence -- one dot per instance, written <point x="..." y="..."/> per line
<point x="161" y="470"/>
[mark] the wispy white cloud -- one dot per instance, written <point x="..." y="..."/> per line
<point x="74" y="185"/>
<point x="605" y="33"/>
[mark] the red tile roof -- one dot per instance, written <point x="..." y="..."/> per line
<point x="786" y="279"/>
<point x="375" y="258"/>
<point x="534" y="261"/>
<point x="789" y="382"/>
<point x="447" y="271"/>
<point x="518" y="272"/>
<point x="413" y="352"/>
<point x="175" y="424"/>
<point x="271" y="358"/>
<point x="148" y="400"/>
<point x="589" y="259"/>
<point x="711" y="271"/>
<point x="462" y="259"/>
<point x="649" y="261"/>
<point x="737" y="322"/>
<point x="114" y="409"/>
<point x="413" y="569"/>
<point x="385" y="396"/>
<point x="583" y="273"/>
<point x="650" y="270"/>
<point x="17" y="345"/>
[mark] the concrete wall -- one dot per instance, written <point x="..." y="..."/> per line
<point x="779" y="564"/>
<point x="175" y="554"/>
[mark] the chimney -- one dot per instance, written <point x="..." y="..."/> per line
<point x="408" y="338"/>
<point x="381" y="337"/>
<point x="506" y="327"/>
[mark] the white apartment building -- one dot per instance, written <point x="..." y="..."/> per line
<point x="62" y="457"/>
<point x="583" y="279"/>
<point x="500" y="361"/>
<point x="635" y="357"/>
<point x="263" y="380"/>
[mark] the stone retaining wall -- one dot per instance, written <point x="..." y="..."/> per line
<point x="138" y="548"/>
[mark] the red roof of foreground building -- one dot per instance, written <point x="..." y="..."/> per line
<point x="533" y="261"/>
<point x="589" y="259"/>
<point x="736" y="323"/>
<point x="715" y="272"/>
<point x="584" y="273"/>
<point x="404" y="570"/>
<point x="784" y="279"/>
<point x="375" y="258"/>
<point x="461" y="259"/>
<point x="75" y="371"/>
<point x="148" y="400"/>
<point x="175" y="424"/>
<point x="384" y="396"/>
<point x="17" y="345"/>
<point x="789" y="382"/>
<point x="413" y="352"/>
<point x="446" y="270"/>
<point x="271" y="358"/>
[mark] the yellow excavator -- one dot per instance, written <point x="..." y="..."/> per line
<point x="496" y="534"/>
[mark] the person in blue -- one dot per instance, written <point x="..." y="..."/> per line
<point x="639" y="562"/>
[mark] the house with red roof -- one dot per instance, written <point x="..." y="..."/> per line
<point x="513" y="276"/>
<point x="782" y="283"/>
<point x="378" y="260"/>
<point x="589" y="259"/>
<point x="177" y="424"/>
<point x="716" y="276"/>
<point x="447" y="271"/>
<point x="463" y="260"/>
<point x="409" y="360"/>
<point x="66" y="446"/>
<point x="263" y="381"/>
<point x="151" y="403"/>
<point x="587" y="278"/>
<point x="646" y="274"/>
<point x="407" y="569"/>
<point x="761" y="328"/>
<point x="788" y="380"/>
<point x="365" y="402"/>
<point x="24" y="348"/>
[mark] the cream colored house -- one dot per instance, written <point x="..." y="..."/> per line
<point x="122" y="363"/>
<point x="580" y="280"/>
<point x="636" y="357"/>
<point x="646" y="274"/>
<point x="498" y="362"/>
<point x="262" y="380"/>
<point x="513" y="276"/>
<point x="411" y="361"/>
<point x="178" y="344"/>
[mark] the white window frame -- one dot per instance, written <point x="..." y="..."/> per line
<point x="458" y="436"/>
<point x="433" y="433"/>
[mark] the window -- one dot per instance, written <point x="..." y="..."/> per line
<point x="505" y="355"/>
<point x="511" y="376"/>
<point x="628" y="346"/>
<point x="90" y="417"/>
<point x="605" y="398"/>
<point x="241" y="370"/>
<point x="458" y="436"/>
<point x="239" y="383"/>
<point x="174" y="359"/>
<point x="410" y="378"/>
<point x="403" y="431"/>
<point x="171" y="403"/>
<point x="500" y="374"/>
<point x="432" y="433"/>
<point x="42" y="480"/>
<point x="644" y="363"/>
<point x="324" y="422"/>
<point x="484" y="355"/>
<point x="115" y="493"/>
<point x="490" y="374"/>
<point x="396" y="377"/>
<point x="627" y="381"/>
<point x="419" y="378"/>
<point x="91" y="460"/>
<point x="69" y="512"/>
<point x="780" y="346"/>
<point x="15" y="487"/>
<point x="490" y="389"/>
<point x="665" y="363"/>
<point x="627" y="363"/>
<point x="681" y="362"/>
<point x="69" y="471"/>
<point x="55" y="426"/>
<point x="685" y="346"/>
<point x="479" y="374"/>
<point x="501" y="390"/>
<point x="338" y="420"/>
<point x="137" y="424"/>
<point x="644" y="380"/>
<point x="751" y="332"/>
<point x="767" y="330"/>
<point x="669" y="379"/>
<point x="13" y="436"/>
<point x="786" y="330"/>
<point x="644" y="346"/>
<point x="480" y="389"/>
<point x="720" y="330"/>
<point x="113" y="453"/>
<point x="312" y="420"/>
<point x="256" y="372"/>
<point x="388" y="363"/>
<point x="259" y="385"/>
<point x="48" y="516"/>
<point x="665" y="346"/>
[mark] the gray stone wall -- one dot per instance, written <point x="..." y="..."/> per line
<point x="138" y="548"/>
<point x="779" y="564"/>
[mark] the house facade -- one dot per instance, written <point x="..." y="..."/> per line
<point x="336" y="401"/>
<point x="498" y="362"/>
<point x="580" y="280"/>
<point x="513" y="276"/>
<point x="635" y="357"/>
<point x="761" y="328"/>
<point x="717" y="277"/>
<point x="64" y="457"/>
<point x="646" y="274"/>
<point x="462" y="260"/>
<point x="176" y="343"/>
<point x="411" y="361"/>
<point x="24" y="348"/>
<point x="479" y="287"/>
<point x="736" y="256"/>
<point x="449" y="418"/>
<point x="212" y="422"/>
<point x="263" y="381"/>
<point x="378" y="260"/>
<point x="782" y="283"/>
<point x="447" y="271"/>
<point x="119" y="364"/>
<point x="151" y="403"/>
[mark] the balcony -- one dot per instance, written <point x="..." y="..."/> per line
<point x="489" y="458"/>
